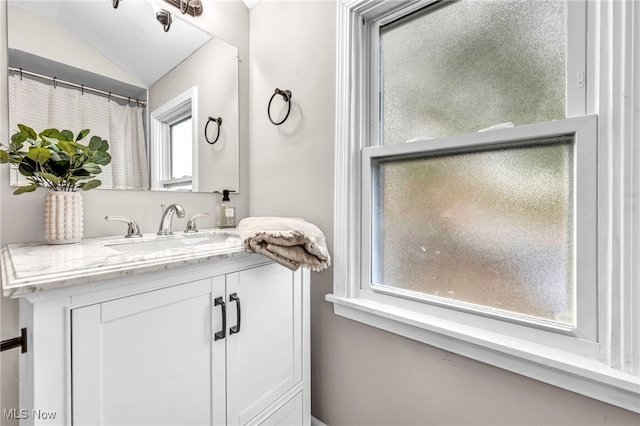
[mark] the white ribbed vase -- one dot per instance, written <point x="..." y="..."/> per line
<point x="63" y="217"/>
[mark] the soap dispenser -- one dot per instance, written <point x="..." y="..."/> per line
<point x="225" y="211"/>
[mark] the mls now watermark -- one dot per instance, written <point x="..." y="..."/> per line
<point x="24" y="414"/>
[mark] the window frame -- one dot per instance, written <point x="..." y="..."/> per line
<point x="583" y="129"/>
<point x="177" y="109"/>
<point x="576" y="96"/>
<point x="591" y="366"/>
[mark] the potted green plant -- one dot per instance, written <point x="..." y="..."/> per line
<point x="57" y="160"/>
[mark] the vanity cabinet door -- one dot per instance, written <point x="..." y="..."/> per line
<point x="150" y="358"/>
<point x="265" y="358"/>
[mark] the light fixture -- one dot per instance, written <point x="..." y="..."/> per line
<point x="184" y="6"/>
<point x="191" y="7"/>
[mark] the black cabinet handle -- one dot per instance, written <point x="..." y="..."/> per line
<point x="236" y="328"/>
<point x="220" y="302"/>
<point x="16" y="342"/>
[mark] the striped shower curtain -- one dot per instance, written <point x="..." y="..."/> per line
<point x="42" y="105"/>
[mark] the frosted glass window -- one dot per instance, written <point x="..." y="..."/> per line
<point x="181" y="148"/>
<point x="459" y="67"/>
<point x="492" y="228"/>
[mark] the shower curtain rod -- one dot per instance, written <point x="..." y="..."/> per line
<point x="78" y="86"/>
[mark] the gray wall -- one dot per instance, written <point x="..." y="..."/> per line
<point x="362" y="375"/>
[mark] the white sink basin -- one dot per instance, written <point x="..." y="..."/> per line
<point x="178" y="241"/>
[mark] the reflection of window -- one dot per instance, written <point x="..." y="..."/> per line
<point x="467" y="171"/>
<point x="181" y="146"/>
<point x="175" y="144"/>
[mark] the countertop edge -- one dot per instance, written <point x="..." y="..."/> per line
<point x="14" y="287"/>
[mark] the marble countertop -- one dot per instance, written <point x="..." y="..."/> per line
<point x="27" y="268"/>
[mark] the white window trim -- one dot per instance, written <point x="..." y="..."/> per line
<point x="611" y="371"/>
<point x="161" y="120"/>
<point x="580" y="338"/>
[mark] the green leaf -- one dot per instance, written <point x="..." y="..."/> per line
<point x="59" y="169"/>
<point x="96" y="144"/>
<point x="53" y="178"/>
<point x="28" y="131"/>
<point x="39" y="155"/>
<point x="92" y="168"/>
<point x="4" y="157"/>
<point x="50" y="141"/>
<point x="94" y="183"/>
<point x="82" y="134"/>
<point x="101" y="158"/>
<point x="17" y="140"/>
<point x="27" y="167"/>
<point x="23" y="189"/>
<point x="56" y="157"/>
<point x="80" y="147"/>
<point x="80" y="173"/>
<point x="50" y="133"/>
<point x="67" y="134"/>
<point x="15" y="159"/>
<point x="68" y="147"/>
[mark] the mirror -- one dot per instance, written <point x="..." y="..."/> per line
<point x="125" y="53"/>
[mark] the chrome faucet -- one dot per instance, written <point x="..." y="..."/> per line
<point x="132" y="229"/>
<point x="191" y="224"/>
<point x="167" y="216"/>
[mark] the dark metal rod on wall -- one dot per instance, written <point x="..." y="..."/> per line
<point x="77" y="86"/>
<point x="16" y="342"/>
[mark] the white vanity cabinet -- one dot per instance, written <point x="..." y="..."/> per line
<point x="150" y="358"/>
<point x="225" y="342"/>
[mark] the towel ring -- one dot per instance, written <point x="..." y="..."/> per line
<point x="286" y="95"/>
<point x="219" y="123"/>
<point x="164" y="17"/>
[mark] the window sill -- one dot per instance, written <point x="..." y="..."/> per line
<point x="556" y="367"/>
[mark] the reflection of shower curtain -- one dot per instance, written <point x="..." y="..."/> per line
<point x="42" y="106"/>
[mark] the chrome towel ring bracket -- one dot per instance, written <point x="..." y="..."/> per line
<point x="218" y="121"/>
<point x="164" y="17"/>
<point x="286" y="95"/>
